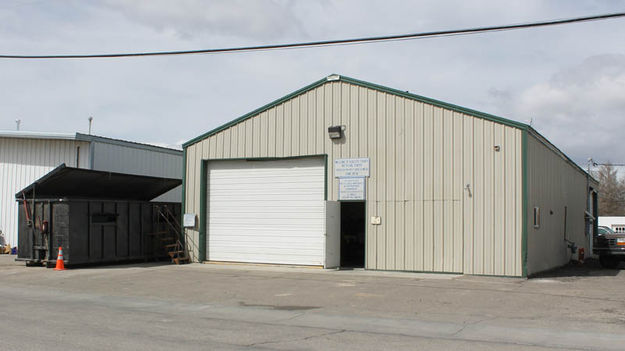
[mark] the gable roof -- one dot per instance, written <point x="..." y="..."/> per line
<point x="381" y="88"/>
<point x="384" y="89"/>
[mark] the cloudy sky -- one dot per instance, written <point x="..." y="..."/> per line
<point x="568" y="80"/>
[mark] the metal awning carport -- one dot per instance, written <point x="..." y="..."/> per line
<point x="69" y="182"/>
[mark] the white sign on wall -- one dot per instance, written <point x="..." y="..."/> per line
<point x="351" y="167"/>
<point x="188" y="220"/>
<point x="351" y="188"/>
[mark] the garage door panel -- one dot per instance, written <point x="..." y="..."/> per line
<point x="266" y="211"/>
<point x="261" y="172"/>
<point x="266" y="251"/>
<point x="288" y="200"/>
<point x="274" y="247"/>
<point x="265" y="196"/>
<point x="275" y="257"/>
<point x="270" y="238"/>
<point x="253" y="228"/>
<point x="269" y="217"/>
<point x="244" y="211"/>
<point x="265" y="220"/>
<point x="265" y="216"/>
<point x="271" y="258"/>
<point x="280" y="183"/>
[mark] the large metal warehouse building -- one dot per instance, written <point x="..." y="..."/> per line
<point x="27" y="156"/>
<point x="345" y="172"/>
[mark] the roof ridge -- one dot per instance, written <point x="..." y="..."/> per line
<point x="336" y="77"/>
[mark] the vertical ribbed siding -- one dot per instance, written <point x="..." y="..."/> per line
<point x="553" y="183"/>
<point x="131" y="160"/>
<point x="422" y="157"/>
<point x="22" y="161"/>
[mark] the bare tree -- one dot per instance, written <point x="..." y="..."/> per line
<point x="611" y="191"/>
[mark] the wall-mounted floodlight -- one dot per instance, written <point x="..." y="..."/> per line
<point x="335" y="132"/>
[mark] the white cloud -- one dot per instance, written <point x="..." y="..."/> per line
<point x="580" y="108"/>
<point x="240" y="19"/>
<point x="169" y="99"/>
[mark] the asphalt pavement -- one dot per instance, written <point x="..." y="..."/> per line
<point x="157" y="306"/>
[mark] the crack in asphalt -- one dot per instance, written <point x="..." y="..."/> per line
<point x="119" y="303"/>
<point x="264" y="343"/>
<point x="468" y="324"/>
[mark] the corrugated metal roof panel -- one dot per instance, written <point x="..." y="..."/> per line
<point x="85" y="137"/>
<point x="68" y="182"/>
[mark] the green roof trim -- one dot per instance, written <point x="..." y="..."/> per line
<point x="384" y="89"/>
<point x="202" y="254"/>
<point x="337" y="78"/>
<point x="559" y="152"/>
<point x="256" y="112"/>
<point x="524" y="204"/>
<point x="435" y="102"/>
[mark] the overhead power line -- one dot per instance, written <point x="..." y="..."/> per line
<point x="352" y="41"/>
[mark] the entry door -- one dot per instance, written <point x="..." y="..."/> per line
<point x="333" y="234"/>
<point x="266" y="211"/>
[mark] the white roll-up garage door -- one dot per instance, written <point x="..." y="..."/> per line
<point x="266" y="211"/>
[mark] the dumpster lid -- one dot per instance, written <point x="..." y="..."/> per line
<point x="69" y="182"/>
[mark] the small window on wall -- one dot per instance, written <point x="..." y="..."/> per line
<point x="536" y="217"/>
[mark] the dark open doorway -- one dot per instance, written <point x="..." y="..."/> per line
<point x="352" y="234"/>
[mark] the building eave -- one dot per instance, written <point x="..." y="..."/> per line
<point x="396" y="92"/>
<point x="36" y="135"/>
<point x="132" y="144"/>
<point x="381" y="88"/>
<point x="86" y="138"/>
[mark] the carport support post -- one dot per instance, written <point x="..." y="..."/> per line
<point x="202" y="233"/>
<point x="49" y="234"/>
<point x="33" y="235"/>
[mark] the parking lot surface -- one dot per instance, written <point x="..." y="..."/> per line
<point x="155" y="306"/>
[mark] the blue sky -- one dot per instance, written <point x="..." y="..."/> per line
<point x="568" y="80"/>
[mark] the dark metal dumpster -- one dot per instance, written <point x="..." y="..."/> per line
<point x="97" y="217"/>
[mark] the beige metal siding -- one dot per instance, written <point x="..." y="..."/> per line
<point x="553" y="183"/>
<point x="22" y="161"/>
<point x="422" y="157"/>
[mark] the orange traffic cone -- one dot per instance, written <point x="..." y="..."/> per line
<point x="60" y="264"/>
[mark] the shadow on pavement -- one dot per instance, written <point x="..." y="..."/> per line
<point x="123" y="265"/>
<point x="590" y="268"/>
<point x="111" y="265"/>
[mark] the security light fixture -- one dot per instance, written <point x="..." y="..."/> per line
<point x="335" y="132"/>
